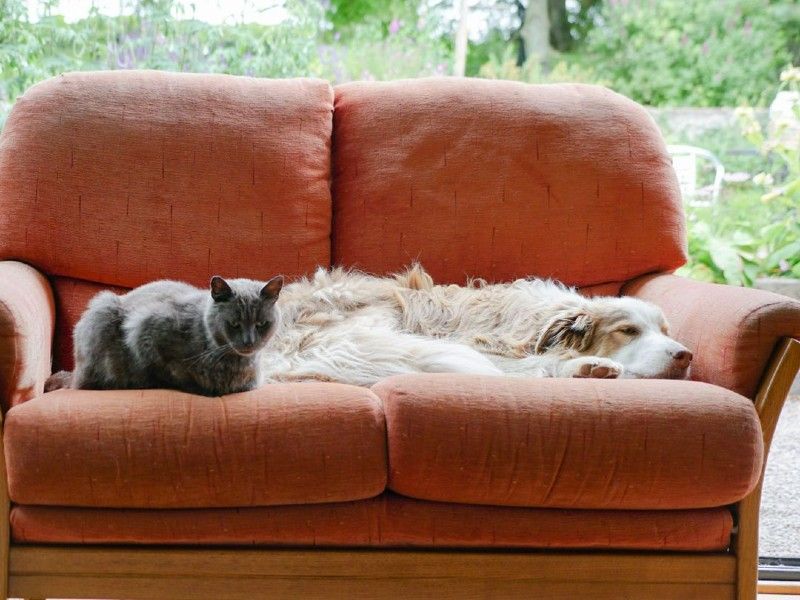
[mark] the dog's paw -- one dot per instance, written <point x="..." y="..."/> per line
<point x="593" y="367"/>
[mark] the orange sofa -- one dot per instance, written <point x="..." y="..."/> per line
<point x="423" y="486"/>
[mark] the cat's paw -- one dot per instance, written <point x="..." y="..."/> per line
<point x="57" y="381"/>
<point x="593" y="367"/>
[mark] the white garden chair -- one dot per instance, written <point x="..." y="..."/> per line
<point x="685" y="161"/>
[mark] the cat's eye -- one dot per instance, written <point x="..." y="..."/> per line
<point x="262" y="323"/>
<point x="235" y="324"/>
<point x="630" y="330"/>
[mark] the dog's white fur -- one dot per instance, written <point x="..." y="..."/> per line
<point x="350" y="327"/>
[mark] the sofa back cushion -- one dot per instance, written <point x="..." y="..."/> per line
<point x="120" y="178"/>
<point x="502" y="180"/>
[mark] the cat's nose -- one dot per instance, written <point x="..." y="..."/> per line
<point x="247" y="347"/>
<point x="682" y="359"/>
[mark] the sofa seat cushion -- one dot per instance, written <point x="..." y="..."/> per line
<point x="568" y="443"/>
<point x="280" y="444"/>
<point x="387" y="521"/>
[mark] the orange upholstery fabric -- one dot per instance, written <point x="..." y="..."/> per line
<point x="26" y="331"/>
<point x="72" y="296"/>
<point x="611" y="288"/>
<point x="384" y="521"/>
<point x="502" y="180"/>
<point x="589" y="444"/>
<point x="732" y="331"/>
<point x="280" y="444"/>
<point x="123" y="177"/>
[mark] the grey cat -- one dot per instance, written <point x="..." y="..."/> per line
<point x="169" y="334"/>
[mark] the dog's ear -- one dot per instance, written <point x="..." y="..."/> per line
<point x="571" y="329"/>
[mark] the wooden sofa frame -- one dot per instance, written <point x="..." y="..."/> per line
<point x="173" y="573"/>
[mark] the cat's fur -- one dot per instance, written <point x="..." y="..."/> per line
<point x="168" y="334"/>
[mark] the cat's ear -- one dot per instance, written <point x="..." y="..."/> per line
<point x="271" y="290"/>
<point x="220" y="290"/>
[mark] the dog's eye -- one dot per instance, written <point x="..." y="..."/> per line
<point x="630" y="330"/>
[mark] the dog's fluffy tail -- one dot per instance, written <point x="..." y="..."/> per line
<point x="415" y="277"/>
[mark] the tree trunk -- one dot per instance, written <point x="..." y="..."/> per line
<point x="535" y="31"/>
<point x="560" y="37"/>
<point x="460" y="67"/>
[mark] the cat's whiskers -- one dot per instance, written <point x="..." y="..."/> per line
<point x="221" y="353"/>
<point x="224" y="352"/>
<point x="211" y="353"/>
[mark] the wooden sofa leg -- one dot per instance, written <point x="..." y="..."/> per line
<point x="772" y="392"/>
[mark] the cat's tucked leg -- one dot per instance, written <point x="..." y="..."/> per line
<point x="58" y="380"/>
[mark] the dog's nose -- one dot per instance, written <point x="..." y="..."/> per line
<point x="682" y="359"/>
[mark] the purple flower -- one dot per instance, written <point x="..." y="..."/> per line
<point x="395" y="26"/>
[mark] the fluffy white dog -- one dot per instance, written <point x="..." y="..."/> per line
<point x="354" y="328"/>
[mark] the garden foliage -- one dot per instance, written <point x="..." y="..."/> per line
<point x="694" y="53"/>
<point x="755" y="230"/>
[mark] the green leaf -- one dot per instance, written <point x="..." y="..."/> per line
<point x="727" y="259"/>
<point x="787" y="252"/>
<point x="740" y="238"/>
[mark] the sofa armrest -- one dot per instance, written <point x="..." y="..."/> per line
<point x="732" y="331"/>
<point x="27" y="317"/>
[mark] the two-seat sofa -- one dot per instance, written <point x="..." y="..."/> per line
<point x="423" y="486"/>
